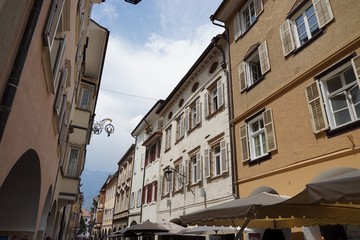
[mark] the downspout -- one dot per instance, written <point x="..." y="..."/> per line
<point x="18" y="65"/>
<point x="227" y="70"/>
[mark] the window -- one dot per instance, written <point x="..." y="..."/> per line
<point x="178" y="178"/>
<point x="73" y="163"/>
<point x="214" y="98"/>
<point x="152" y="153"/>
<point x="165" y="186"/>
<point x="255" y="65"/>
<point x="193" y="115"/>
<point x="150" y="192"/>
<point x="215" y="159"/>
<point x="132" y="200"/>
<point x="138" y="201"/>
<point x="303" y="24"/>
<point x="86" y="96"/>
<point x="168" y="138"/>
<point x="257" y="136"/>
<point x="247" y="16"/>
<point x="338" y="91"/>
<point x="193" y="169"/>
<point x="180" y="128"/>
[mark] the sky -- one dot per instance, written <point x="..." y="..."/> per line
<point x="151" y="47"/>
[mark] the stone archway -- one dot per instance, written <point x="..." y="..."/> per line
<point x="20" y="195"/>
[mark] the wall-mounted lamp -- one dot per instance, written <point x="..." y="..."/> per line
<point x="99" y="126"/>
<point x="168" y="171"/>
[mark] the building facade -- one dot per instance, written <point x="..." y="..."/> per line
<point x="49" y="47"/>
<point x="295" y="87"/>
<point x="122" y="198"/>
<point x="110" y="187"/>
<point x="196" y="169"/>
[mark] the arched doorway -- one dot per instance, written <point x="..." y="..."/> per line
<point x="20" y="194"/>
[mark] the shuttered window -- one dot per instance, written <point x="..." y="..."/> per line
<point x="213" y="99"/>
<point x="305" y="24"/>
<point x="246" y="17"/>
<point x="257" y="137"/>
<point x="254" y="67"/>
<point x="53" y="22"/>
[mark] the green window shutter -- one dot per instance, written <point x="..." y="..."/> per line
<point x="244" y="143"/>
<point x="323" y="12"/>
<point x="264" y="58"/>
<point x="316" y="108"/>
<point x="242" y="77"/>
<point x="269" y="130"/>
<point x="356" y="66"/>
<point x="286" y="38"/>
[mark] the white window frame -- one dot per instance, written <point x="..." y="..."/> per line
<point x="139" y="198"/>
<point x="260" y="135"/>
<point x="168" y="138"/>
<point x="214" y="98"/>
<point x="180" y="127"/>
<point x="72" y="168"/>
<point x="85" y="102"/>
<point x="245" y="77"/>
<point x="320" y="108"/>
<point x="247" y="136"/>
<point x="239" y="25"/>
<point x="194" y="169"/>
<point x="288" y="32"/>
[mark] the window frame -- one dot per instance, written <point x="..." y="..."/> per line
<point x="89" y="103"/>
<point x="288" y="34"/>
<point x="246" y="81"/>
<point x="319" y="105"/>
<point x="168" y="138"/>
<point x="210" y="159"/>
<point x="73" y="167"/>
<point x="209" y="98"/>
<point x="247" y="150"/>
<point x="193" y="171"/>
<point x="180" y="127"/>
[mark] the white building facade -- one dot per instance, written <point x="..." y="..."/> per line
<point x="196" y="144"/>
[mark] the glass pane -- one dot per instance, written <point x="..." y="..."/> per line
<point x="257" y="146"/>
<point x="342" y="117"/>
<point x="334" y="84"/>
<point x="338" y="102"/>
<point x="312" y="21"/>
<point x="255" y="127"/>
<point x="264" y="142"/>
<point x="349" y="75"/>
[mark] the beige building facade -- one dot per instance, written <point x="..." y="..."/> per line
<point x="44" y="129"/>
<point x="295" y="84"/>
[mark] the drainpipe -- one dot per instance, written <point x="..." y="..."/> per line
<point x="18" y="65"/>
<point x="227" y="71"/>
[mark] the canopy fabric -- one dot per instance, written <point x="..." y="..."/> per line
<point x="172" y="228"/>
<point x="342" y="188"/>
<point x="267" y="210"/>
<point x="144" y="228"/>
<point x="207" y="230"/>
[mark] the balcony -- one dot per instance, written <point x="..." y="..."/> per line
<point x="153" y="132"/>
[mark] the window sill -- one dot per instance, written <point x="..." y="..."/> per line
<point x="215" y="113"/>
<point x="255" y="161"/>
<point x="254" y="84"/>
<point x="343" y="129"/>
<point x="178" y="190"/>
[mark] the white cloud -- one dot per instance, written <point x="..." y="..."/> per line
<point x="150" y="70"/>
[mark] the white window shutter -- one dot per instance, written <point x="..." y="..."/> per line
<point x="142" y="164"/>
<point x="181" y="170"/>
<point x="199" y="166"/>
<point x="60" y="91"/>
<point x="264" y="58"/>
<point x="59" y="59"/>
<point x="224" y="160"/>
<point x="286" y="38"/>
<point x="220" y="90"/>
<point x="207" y="163"/>
<point x="187" y="119"/>
<point x="356" y="66"/>
<point x="198" y="111"/>
<point x="237" y="26"/>
<point x="316" y="108"/>
<point x="206" y="104"/>
<point x="244" y="143"/>
<point x="242" y="76"/>
<point x="182" y="126"/>
<point x="259" y="7"/>
<point x="53" y="22"/>
<point x="187" y="173"/>
<point x="323" y="12"/>
<point x="269" y="130"/>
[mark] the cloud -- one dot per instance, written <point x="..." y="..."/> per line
<point x="136" y="75"/>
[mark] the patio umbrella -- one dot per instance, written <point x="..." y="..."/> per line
<point x="144" y="228"/>
<point x="207" y="230"/>
<point x="265" y="210"/>
<point x="339" y="185"/>
<point x="172" y="227"/>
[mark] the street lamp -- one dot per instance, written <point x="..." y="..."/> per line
<point x="168" y="171"/>
<point x="99" y="126"/>
<point x="133" y="1"/>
